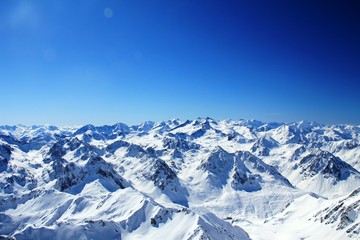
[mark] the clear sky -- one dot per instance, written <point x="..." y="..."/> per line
<point x="67" y="62"/>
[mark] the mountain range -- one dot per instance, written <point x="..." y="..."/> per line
<point x="194" y="179"/>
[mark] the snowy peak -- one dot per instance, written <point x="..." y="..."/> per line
<point x="263" y="146"/>
<point x="259" y="172"/>
<point x="211" y="227"/>
<point x="305" y="126"/>
<point x="167" y="181"/>
<point x="217" y="165"/>
<point x="172" y="141"/>
<point x="245" y="171"/>
<point x="197" y="128"/>
<point x="89" y="167"/>
<point x="328" y="165"/>
<point x="287" y="134"/>
<point x="268" y="126"/>
<point x="90" y="132"/>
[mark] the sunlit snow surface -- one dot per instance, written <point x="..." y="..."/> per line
<point x="200" y="179"/>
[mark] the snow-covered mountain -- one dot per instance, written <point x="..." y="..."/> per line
<point x="200" y="179"/>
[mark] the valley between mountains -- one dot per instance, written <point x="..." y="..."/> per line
<point x="194" y="179"/>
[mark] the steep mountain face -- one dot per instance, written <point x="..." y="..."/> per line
<point x="5" y="153"/>
<point x="217" y="166"/>
<point x="245" y="171"/>
<point x="320" y="172"/>
<point x="343" y="215"/>
<point x="327" y="165"/>
<point x="200" y="179"/>
<point x="246" y="162"/>
<point x="263" y="146"/>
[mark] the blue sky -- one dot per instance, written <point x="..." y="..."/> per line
<point x="69" y="62"/>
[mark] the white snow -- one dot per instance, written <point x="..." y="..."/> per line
<point x="200" y="179"/>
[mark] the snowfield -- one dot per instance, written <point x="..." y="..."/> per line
<point x="200" y="179"/>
